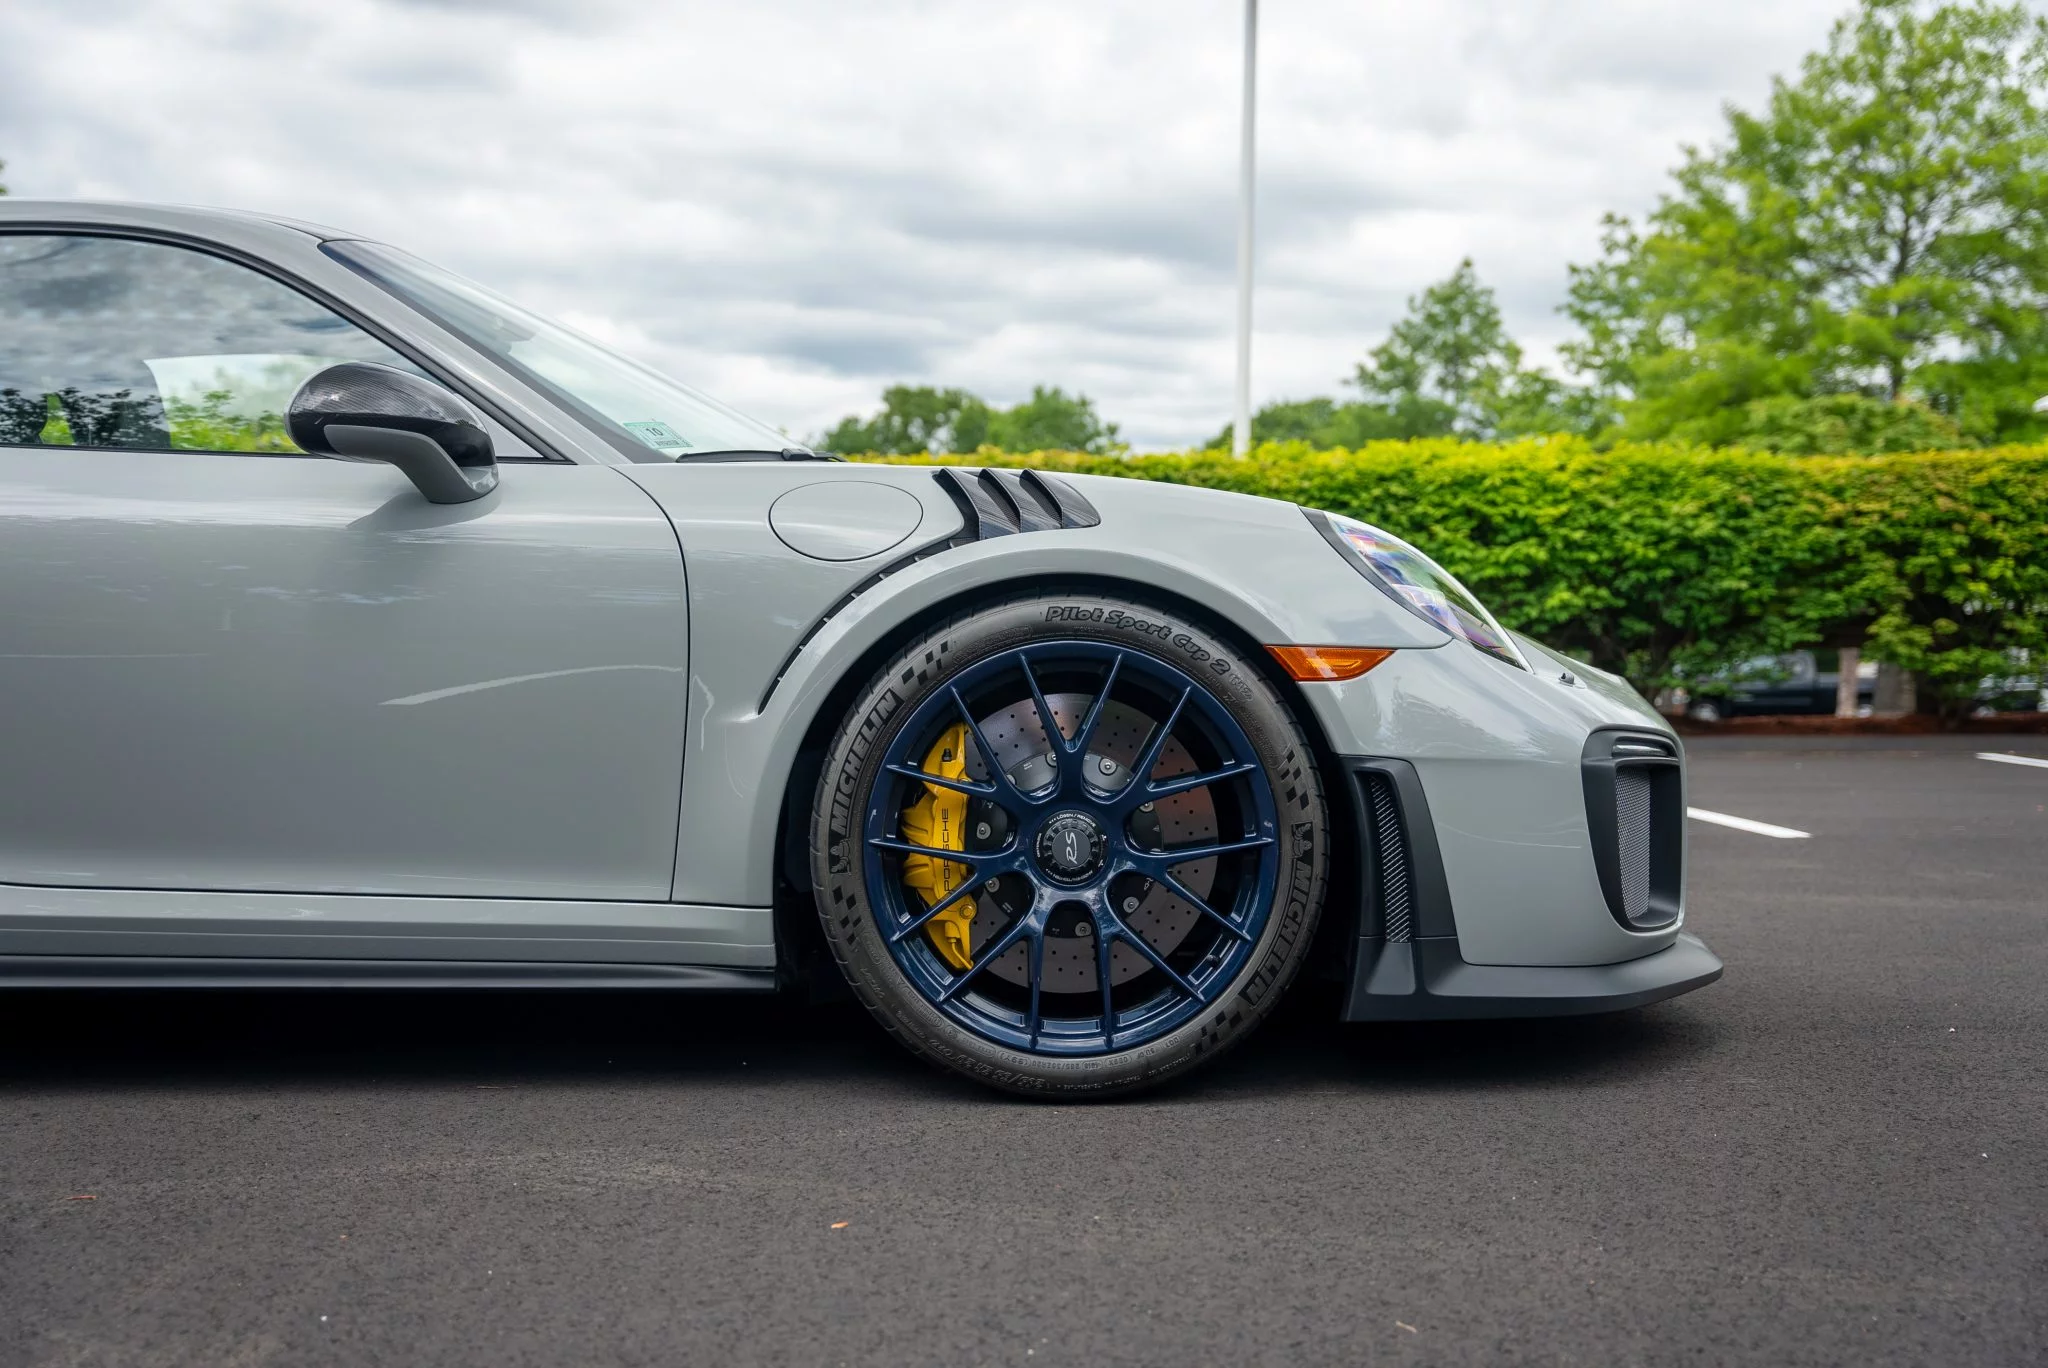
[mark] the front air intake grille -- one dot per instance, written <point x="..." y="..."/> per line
<point x="1632" y="803"/>
<point x="1635" y="817"/>
<point x="1393" y="887"/>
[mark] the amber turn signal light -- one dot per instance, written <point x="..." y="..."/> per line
<point x="1308" y="663"/>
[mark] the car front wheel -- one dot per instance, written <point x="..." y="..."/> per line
<point x="1069" y="845"/>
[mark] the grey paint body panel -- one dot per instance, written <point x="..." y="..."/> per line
<point x="295" y="708"/>
<point x="844" y="520"/>
<point x="1254" y="561"/>
<point x="294" y="674"/>
<point x="1498" y="751"/>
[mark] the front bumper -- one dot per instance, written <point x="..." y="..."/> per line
<point x="1410" y="961"/>
<point x="1428" y="980"/>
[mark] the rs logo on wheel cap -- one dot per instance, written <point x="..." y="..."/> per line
<point x="1070" y="847"/>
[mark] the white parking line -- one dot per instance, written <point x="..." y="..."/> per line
<point x="1744" y="824"/>
<point x="2012" y="759"/>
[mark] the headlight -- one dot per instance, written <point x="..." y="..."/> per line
<point x="1417" y="583"/>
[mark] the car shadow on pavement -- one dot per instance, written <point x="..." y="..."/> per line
<point x="226" y="1038"/>
<point x="1304" y="1047"/>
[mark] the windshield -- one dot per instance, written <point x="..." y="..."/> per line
<point x="648" y="415"/>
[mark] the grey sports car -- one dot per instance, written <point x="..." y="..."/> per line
<point x="556" y="673"/>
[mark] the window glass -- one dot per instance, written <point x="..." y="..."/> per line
<point x="644" y="412"/>
<point x="111" y="342"/>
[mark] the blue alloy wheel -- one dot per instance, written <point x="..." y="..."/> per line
<point x="1117" y="861"/>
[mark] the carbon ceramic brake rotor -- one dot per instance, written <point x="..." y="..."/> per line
<point x="1162" y="918"/>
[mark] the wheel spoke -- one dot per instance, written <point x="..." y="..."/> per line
<point x="924" y="918"/>
<point x="1200" y="904"/>
<point x="997" y="775"/>
<point x="1156" y="742"/>
<point x="1102" y="939"/>
<point x="1086" y="734"/>
<point x="972" y="861"/>
<point x="968" y="786"/>
<point x="1184" y="783"/>
<point x="1035" y="1022"/>
<point x="1144" y="947"/>
<point x="987" y="957"/>
<point x="1053" y="739"/>
<point x="1154" y="860"/>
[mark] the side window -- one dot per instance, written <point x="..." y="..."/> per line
<point x="111" y="342"/>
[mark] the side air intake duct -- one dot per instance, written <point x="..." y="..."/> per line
<point x="1635" y="814"/>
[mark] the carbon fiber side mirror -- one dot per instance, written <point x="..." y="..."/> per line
<point x="362" y="411"/>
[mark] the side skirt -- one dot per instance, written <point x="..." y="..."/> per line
<point x="178" y="971"/>
<point x="100" y="925"/>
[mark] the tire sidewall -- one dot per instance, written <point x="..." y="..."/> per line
<point x="853" y="767"/>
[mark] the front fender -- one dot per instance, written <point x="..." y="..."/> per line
<point x="774" y="632"/>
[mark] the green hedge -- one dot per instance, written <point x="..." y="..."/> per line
<point x="1665" y="563"/>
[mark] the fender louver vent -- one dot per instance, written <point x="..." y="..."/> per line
<point x="1000" y="503"/>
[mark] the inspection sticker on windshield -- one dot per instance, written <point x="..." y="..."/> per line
<point x="660" y="436"/>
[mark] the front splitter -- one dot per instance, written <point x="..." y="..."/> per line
<point x="1428" y="980"/>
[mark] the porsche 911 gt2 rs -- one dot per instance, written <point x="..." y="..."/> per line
<point x="361" y="628"/>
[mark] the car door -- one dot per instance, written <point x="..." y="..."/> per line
<point x="228" y="666"/>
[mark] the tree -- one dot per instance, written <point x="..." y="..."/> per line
<point x="914" y="419"/>
<point x="917" y="419"/>
<point x="1053" y="420"/>
<point x="1842" y="424"/>
<point x="1321" y="422"/>
<point x="1449" y="368"/>
<point x="1438" y="362"/>
<point x="3" y="167"/>
<point x="1880" y="230"/>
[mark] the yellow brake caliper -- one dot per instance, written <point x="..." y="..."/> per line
<point x="939" y="820"/>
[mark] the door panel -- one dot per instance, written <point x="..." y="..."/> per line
<point x="280" y="673"/>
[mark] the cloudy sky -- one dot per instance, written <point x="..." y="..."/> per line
<point x="791" y="203"/>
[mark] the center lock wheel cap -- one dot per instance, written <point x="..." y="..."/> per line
<point x="1070" y="847"/>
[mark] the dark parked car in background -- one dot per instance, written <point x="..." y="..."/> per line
<point x="1796" y="682"/>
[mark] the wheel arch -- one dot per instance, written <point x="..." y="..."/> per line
<point x="799" y="943"/>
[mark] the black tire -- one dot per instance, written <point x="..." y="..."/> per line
<point x="854" y="765"/>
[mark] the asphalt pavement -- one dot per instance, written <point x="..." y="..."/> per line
<point x="1838" y="1154"/>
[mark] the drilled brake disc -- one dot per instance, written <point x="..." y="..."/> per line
<point x="1164" y="920"/>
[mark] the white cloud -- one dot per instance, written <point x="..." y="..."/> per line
<point x="793" y="202"/>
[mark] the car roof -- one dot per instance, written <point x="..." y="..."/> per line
<point x="192" y="220"/>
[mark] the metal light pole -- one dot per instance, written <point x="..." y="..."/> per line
<point x="1241" y="431"/>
